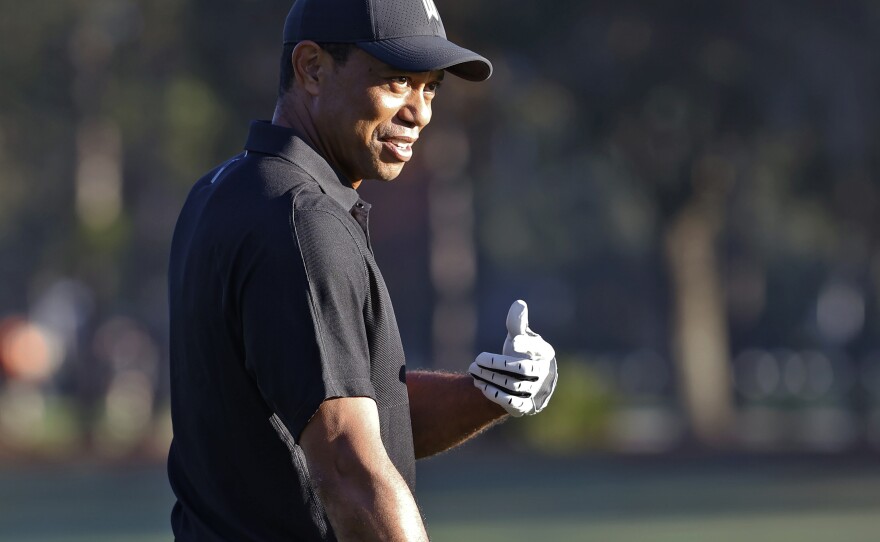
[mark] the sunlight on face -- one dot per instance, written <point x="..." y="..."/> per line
<point x="369" y="115"/>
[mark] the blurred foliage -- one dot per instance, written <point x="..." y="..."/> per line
<point x="603" y="123"/>
<point x="579" y="414"/>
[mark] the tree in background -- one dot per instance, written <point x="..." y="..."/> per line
<point x="687" y="179"/>
<point x="698" y="146"/>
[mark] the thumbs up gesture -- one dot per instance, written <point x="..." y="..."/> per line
<point x="522" y="378"/>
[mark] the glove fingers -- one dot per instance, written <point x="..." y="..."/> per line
<point x="512" y="384"/>
<point x="514" y="366"/>
<point x="515" y="406"/>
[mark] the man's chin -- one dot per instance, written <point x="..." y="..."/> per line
<point x="388" y="172"/>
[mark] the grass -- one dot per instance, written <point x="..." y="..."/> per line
<point x="468" y="496"/>
<point x="775" y="527"/>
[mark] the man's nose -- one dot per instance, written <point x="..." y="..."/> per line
<point x="417" y="110"/>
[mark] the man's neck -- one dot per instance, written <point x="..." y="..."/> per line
<point x="298" y="118"/>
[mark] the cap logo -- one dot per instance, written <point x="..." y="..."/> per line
<point x="431" y="10"/>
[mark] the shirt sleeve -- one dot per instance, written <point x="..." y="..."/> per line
<point x="302" y="311"/>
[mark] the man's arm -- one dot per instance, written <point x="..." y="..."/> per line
<point x="363" y="493"/>
<point x="446" y="410"/>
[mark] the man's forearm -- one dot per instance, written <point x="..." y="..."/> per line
<point x="446" y="410"/>
<point x="372" y="506"/>
<point x="364" y="495"/>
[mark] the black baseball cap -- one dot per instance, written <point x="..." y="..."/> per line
<point x="405" y="34"/>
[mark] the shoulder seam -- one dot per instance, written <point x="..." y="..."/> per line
<point x="293" y="229"/>
<point x="347" y="230"/>
<point x="315" y="319"/>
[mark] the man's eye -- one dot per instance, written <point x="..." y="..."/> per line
<point x="432" y="87"/>
<point x="400" y="81"/>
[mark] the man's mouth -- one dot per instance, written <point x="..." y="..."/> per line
<point x="399" y="146"/>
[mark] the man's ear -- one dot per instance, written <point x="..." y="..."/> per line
<point x="308" y="61"/>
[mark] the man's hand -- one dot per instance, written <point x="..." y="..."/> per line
<point x="523" y="377"/>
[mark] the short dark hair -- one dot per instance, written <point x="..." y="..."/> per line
<point x="338" y="51"/>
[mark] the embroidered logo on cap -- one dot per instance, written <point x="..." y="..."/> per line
<point x="431" y="10"/>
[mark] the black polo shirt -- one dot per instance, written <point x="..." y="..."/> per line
<point x="276" y="305"/>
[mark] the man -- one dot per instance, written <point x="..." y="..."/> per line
<point x="294" y="416"/>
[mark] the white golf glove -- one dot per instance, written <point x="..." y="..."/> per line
<point x="522" y="378"/>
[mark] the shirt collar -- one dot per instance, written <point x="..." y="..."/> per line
<point x="285" y="143"/>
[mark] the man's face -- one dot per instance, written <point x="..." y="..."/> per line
<point x="368" y="116"/>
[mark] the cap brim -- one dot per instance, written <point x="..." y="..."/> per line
<point x="429" y="53"/>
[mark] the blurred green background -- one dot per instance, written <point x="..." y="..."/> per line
<point x="686" y="193"/>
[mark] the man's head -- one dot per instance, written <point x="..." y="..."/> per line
<point x="358" y="78"/>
